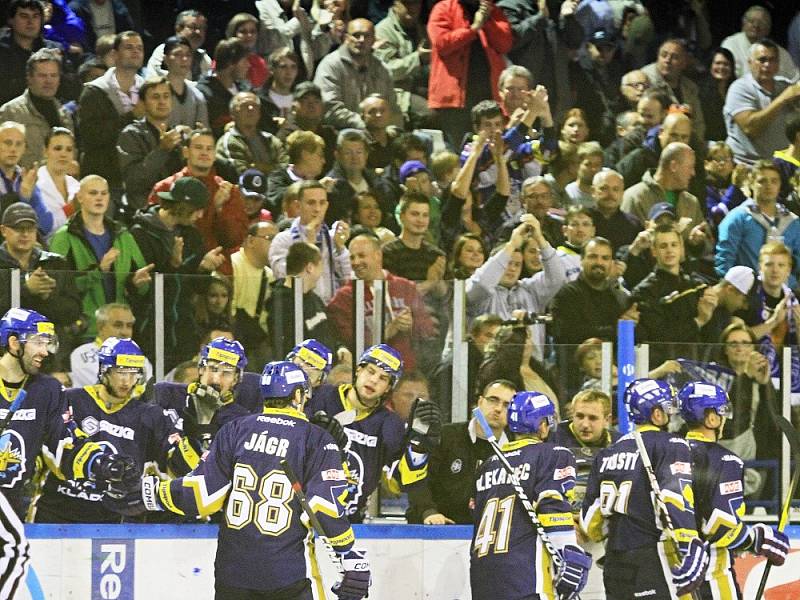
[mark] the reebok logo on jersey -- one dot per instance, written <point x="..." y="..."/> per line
<point x="680" y="468"/>
<point x="730" y="487"/>
<point x="276" y="421"/>
<point x="564" y="473"/>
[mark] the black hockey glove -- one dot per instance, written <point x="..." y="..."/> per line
<point x="332" y="426"/>
<point x="115" y="474"/>
<point x="424" y="426"/>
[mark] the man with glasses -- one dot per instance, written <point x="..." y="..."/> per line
<point x="632" y="85"/>
<point x="252" y="280"/>
<point x="444" y="496"/>
<point x="537" y="197"/>
<point x="350" y="74"/>
<point x="758" y="104"/>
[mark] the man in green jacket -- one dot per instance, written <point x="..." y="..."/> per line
<point x="110" y="265"/>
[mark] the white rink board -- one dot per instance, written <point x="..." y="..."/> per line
<point x="151" y="562"/>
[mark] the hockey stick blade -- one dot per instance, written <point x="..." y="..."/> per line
<point x="793" y="438"/>
<point x="297" y="488"/>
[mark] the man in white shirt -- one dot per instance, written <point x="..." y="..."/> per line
<point x="113" y="320"/>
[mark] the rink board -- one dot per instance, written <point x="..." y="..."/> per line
<point x="409" y="562"/>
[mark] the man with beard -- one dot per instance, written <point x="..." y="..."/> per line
<point x="377" y="436"/>
<point x="110" y="415"/>
<point x="205" y="405"/>
<point x="36" y="420"/>
<point x="610" y="222"/>
<point x="590" y="306"/>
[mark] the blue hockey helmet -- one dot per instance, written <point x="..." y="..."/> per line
<point x="315" y="354"/>
<point x="225" y="351"/>
<point x="643" y="395"/>
<point x="120" y="353"/>
<point x="386" y="358"/>
<point x="28" y="325"/>
<point x="281" y="378"/>
<point x="528" y="410"/>
<point x="697" y="396"/>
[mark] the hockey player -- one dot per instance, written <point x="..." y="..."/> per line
<point x="205" y="405"/>
<point x="40" y="423"/>
<point x="507" y="556"/>
<point x="378" y="437"/>
<point x="263" y="545"/>
<point x="619" y="505"/>
<point x="111" y="417"/>
<point x="718" y="491"/>
<point x="315" y="358"/>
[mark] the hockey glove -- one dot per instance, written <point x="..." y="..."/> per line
<point x="574" y="572"/>
<point x="357" y="578"/>
<point x="333" y="427"/>
<point x="424" y="426"/>
<point x="691" y="573"/>
<point x="129" y="505"/>
<point x="769" y="542"/>
<point x="114" y="474"/>
<point x="206" y="394"/>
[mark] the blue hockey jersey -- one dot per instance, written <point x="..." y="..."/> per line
<point x="506" y="554"/>
<point x="135" y="429"/>
<point x="719" y="506"/>
<point x="618" y="503"/>
<point x="263" y="543"/>
<point x="377" y="440"/>
<point x="41" y="425"/>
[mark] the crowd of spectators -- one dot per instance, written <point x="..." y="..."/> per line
<point x="575" y="162"/>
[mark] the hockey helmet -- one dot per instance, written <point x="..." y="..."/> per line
<point x="123" y="354"/>
<point x="229" y="352"/>
<point x="527" y="411"/>
<point x="386" y="358"/>
<point x="28" y="325"/>
<point x="281" y="378"/>
<point x="315" y="354"/>
<point x="643" y="395"/>
<point x="697" y="396"/>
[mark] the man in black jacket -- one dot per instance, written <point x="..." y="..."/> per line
<point x="167" y="237"/>
<point x="673" y="307"/>
<point x="443" y="497"/>
<point x="47" y="285"/>
<point x="106" y="106"/>
<point x="18" y="43"/>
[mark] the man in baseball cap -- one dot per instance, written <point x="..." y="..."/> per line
<point x="253" y="187"/>
<point x="189" y="190"/>
<point x="19" y="213"/>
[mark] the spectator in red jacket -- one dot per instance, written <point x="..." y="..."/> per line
<point x="224" y="222"/>
<point x="459" y="30"/>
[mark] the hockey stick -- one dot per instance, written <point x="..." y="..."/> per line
<point x="523" y="497"/>
<point x="312" y="517"/>
<point x="794" y="445"/>
<point x="660" y="505"/>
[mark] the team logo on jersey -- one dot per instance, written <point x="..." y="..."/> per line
<point x="90" y="426"/>
<point x="12" y="458"/>
<point x="680" y="468"/>
<point x="456" y="466"/>
<point x="356" y="467"/>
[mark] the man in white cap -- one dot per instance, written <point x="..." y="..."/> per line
<point x="731" y="295"/>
